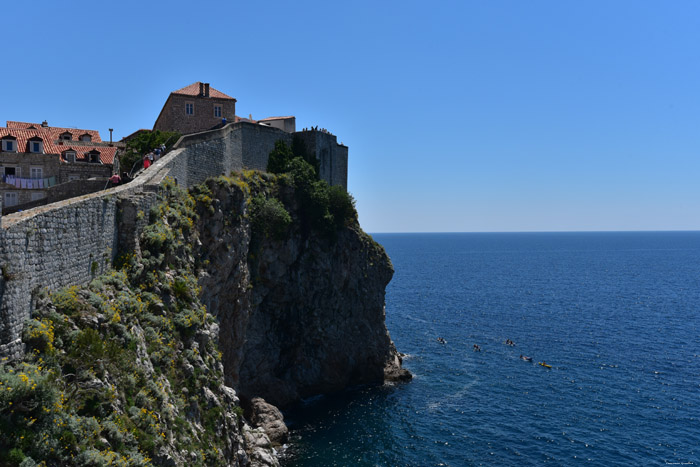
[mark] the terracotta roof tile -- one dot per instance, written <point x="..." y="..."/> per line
<point x="23" y="136"/>
<point x="193" y="90"/>
<point x="56" y="131"/>
<point x="107" y="153"/>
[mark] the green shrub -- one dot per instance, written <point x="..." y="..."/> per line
<point x="279" y="158"/>
<point x="67" y="301"/>
<point x="268" y="217"/>
<point x="39" y="335"/>
<point x="299" y="150"/>
<point x="16" y="456"/>
<point x="341" y="205"/>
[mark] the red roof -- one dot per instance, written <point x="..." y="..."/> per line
<point x="107" y="153"/>
<point x="56" y="131"/>
<point x="193" y="90"/>
<point x="22" y="125"/>
<point x="23" y="136"/>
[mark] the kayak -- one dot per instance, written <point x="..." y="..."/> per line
<point x="545" y="365"/>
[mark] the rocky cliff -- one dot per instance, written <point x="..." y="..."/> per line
<point x="301" y="313"/>
<point x="259" y="283"/>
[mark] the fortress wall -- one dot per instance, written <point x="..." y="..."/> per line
<point x="340" y="166"/>
<point x="69" y="242"/>
<point x="333" y="156"/>
<point x="257" y="143"/>
<point x="65" y="243"/>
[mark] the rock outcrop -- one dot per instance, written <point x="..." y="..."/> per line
<point x="301" y="314"/>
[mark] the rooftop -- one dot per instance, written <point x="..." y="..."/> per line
<point x="195" y="89"/>
<point x="55" y="131"/>
<point x="49" y="136"/>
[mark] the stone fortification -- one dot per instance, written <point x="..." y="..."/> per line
<point x="69" y="242"/>
<point x="333" y="157"/>
<point x="57" y="245"/>
<point x="247" y="145"/>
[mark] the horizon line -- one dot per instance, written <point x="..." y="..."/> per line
<point x="535" y="231"/>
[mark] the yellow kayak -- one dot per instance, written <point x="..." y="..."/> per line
<point x="545" y="365"/>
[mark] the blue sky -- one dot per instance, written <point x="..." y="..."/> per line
<point x="460" y="116"/>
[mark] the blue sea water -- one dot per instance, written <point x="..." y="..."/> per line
<point x="617" y="315"/>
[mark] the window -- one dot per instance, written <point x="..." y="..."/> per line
<point x="69" y="156"/>
<point x="37" y="195"/>
<point x="94" y="156"/>
<point x="11" y="198"/>
<point x="13" y="171"/>
<point x="189" y="108"/>
<point x="36" y="147"/>
<point x="8" y="145"/>
<point x="217" y="111"/>
<point x="72" y="177"/>
<point x="36" y="172"/>
<point x="66" y="136"/>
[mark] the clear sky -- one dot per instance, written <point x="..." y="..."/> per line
<point x="491" y="115"/>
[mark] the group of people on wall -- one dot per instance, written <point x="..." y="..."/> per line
<point x="152" y="156"/>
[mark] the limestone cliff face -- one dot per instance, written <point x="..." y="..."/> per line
<point x="299" y="315"/>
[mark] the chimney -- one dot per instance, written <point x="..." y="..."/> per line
<point x="44" y="124"/>
<point x="201" y="89"/>
<point x="206" y="89"/>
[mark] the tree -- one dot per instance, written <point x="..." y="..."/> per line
<point x="143" y="143"/>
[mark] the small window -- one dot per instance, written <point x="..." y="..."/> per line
<point x="8" y="145"/>
<point x="189" y="108"/>
<point x="38" y="195"/>
<point x="11" y="198"/>
<point x="217" y="111"/>
<point x="36" y="147"/>
<point x="72" y="177"/>
<point x="70" y="156"/>
<point x="86" y="137"/>
<point x="66" y="136"/>
<point x="94" y="156"/>
<point x="36" y="172"/>
<point x="15" y="171"/>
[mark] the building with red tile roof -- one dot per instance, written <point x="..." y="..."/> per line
<point x="70" y="134"/>
<point x="194" y="108"/>
<point x="202" y="89"/>
<point x="35" y="157"/>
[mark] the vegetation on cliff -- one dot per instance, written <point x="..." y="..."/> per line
<point x="127" y="370"/>
<point x="324" y="207"/>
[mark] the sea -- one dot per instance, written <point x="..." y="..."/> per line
<point x="615" y="314"/>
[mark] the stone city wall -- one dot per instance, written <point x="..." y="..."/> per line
<point x="69" y="242"/>
<point x="333" y="156"/>
<point x="61" y="244"/>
